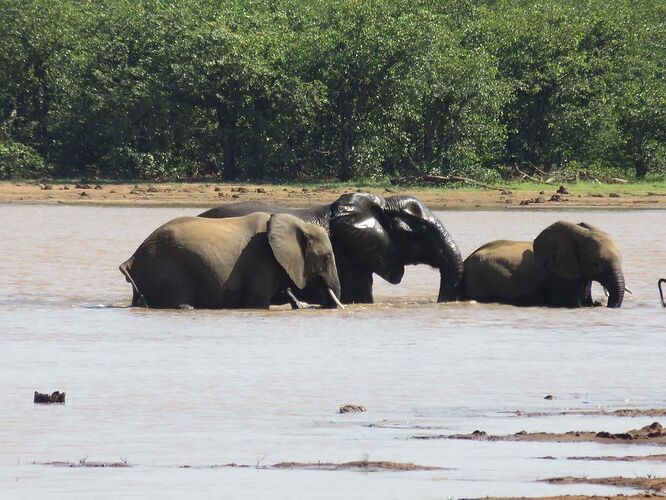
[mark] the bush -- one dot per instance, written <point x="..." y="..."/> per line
<point x="128" y="163"/>
<point x="18" y="161"/>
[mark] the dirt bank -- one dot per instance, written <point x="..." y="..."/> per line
<point x="212" y="194"/>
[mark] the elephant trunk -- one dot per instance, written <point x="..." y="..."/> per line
<point x="428" y="242"/>
<point x="330" y="288"/>
<point x="450" y="267"/>
<point x="614" y="283"/>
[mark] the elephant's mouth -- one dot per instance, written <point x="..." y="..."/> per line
<point x="394" y="274"/>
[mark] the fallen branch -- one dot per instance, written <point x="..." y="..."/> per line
<point x="526" y="176"/>
<point x="439" y="179"/>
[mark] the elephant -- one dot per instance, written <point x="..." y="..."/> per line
<point x="555" y="270"/>
<point x="371" y="234"/>
<point x="661" y="293"/>
<point x="239" y="262"/>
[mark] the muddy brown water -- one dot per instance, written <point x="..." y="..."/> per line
<point x="164" y="389"/>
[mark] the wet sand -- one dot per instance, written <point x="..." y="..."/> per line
<point x="652" y="434"/>
<point x="651" y="486"/>
<point x="357" y="465"/>
<point x="623" y="412"/>
<point x="629" y="458"/>
<point x="211" y="194"/>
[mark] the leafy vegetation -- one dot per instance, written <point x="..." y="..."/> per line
<point x="332" y="90"/>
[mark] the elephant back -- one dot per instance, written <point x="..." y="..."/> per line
<point x="501" y="269"/>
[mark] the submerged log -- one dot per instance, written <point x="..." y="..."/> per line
<point x="56" y="397"/>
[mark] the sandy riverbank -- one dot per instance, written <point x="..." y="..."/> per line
<point x="212" y="194"/>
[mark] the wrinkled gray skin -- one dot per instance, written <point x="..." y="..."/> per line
<point x="556" y="270"/>
<point x="371" y="234"/>
<point x="661" y="292"/>
<point x="240" y="262"/>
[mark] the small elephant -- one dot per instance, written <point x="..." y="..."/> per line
<point x="240" y="262"/>
<point x="555" y="270"/>
<point x="661" y="293"/>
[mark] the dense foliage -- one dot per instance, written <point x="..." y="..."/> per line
<point x="335" y="89"/>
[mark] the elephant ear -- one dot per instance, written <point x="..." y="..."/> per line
<point x="557" y="249"/>
<point x="288" y="240"/>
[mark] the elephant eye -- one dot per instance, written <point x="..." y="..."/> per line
<point x="414" y="208"/>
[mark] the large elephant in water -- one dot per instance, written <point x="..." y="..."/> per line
<point x="371" y="234"/>
<point x="231" y="263"/>
<point x="556" y="270"/>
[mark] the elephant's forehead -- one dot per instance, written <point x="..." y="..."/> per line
<point x="602" y="244"/>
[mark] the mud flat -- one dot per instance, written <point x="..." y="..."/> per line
<point x="652" y="434"/>
<point x="630" y="458"/>
<point x="623" y="412"/>
<point x="358" y="465"/>
<point x="651" y="486"/>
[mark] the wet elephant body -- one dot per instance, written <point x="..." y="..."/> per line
<point x="240" y="262"/>
<point x="556" y="269"/>
<point x="371" y="234"/>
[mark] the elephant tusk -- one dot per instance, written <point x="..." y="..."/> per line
<point x="295" y="303"/>
<point x="628" y="291"/>
<point x="335" y="299"/>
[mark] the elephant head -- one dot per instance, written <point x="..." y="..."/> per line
<point x="304" y="251"/>
<point x="386" y="234"/>
<point x="582" y="252"/>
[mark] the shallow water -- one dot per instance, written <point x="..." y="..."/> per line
<point x="163" y="389"/>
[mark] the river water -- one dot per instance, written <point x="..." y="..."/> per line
<point x="164" y="389"/>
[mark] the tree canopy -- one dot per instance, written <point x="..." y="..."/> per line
<point x="335" y="89"/>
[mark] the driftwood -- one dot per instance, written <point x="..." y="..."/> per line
<point x="440" y="179"/>
<point x="526" y="176"/>
<point x="421" y="177"/>
<point x="56" y="397"/>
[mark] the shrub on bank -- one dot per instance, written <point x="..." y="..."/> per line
<point x="21" y="161"/>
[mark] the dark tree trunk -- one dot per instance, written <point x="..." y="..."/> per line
<point x="41" y="102"/>
<point x="346" y="171"/>
<point x="345" y="112"/>
<point x="227" y="123"/>
<point x="429" y="128"/>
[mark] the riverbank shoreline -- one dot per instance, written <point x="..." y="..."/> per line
<point x="209" y="194"/>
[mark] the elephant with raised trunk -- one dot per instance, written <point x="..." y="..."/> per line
<point x="556" y="270"/>
<point x="241" y="262"/>
<point x="371" y="234"/>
